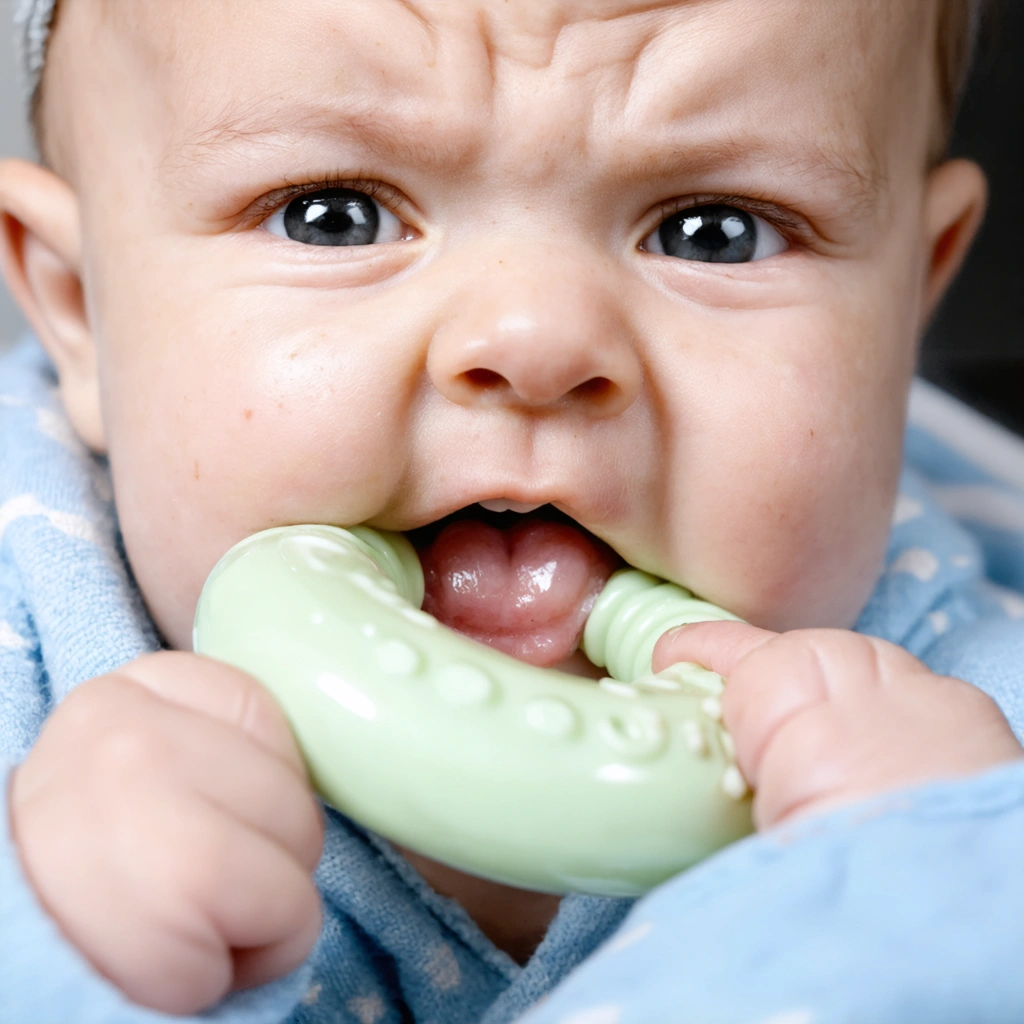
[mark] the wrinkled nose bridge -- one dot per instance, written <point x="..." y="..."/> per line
<point x="537" y="338"/>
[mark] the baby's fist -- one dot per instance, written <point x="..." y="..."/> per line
<point x="822" y="717"/>
<point x="165" y="821"/>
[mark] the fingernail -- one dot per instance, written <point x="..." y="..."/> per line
<point x="676" y="630"/>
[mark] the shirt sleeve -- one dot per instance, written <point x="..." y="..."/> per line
<point x="908" y="908"/>
<point x="990" y="654"/>
<point x="44" y="978"/>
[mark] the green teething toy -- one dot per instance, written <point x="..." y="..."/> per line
<point x="524" y="775"/>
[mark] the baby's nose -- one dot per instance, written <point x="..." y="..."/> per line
<point x="539" y="337"/>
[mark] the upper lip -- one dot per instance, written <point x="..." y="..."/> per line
<point x="602" y="511"/>
<point x="452" y="509"/>
<point x="579" y="511"/>
<point x="423" y="536"/>
<point x="464" y="500"/>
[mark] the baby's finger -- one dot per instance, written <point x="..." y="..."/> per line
<point x="227" y="767"/>
<point x="218" y="691"/>
<point x="261" y="964"/>
<point x="775" y="682"/>
<point x="256" y="893"/>
<point x="717" y="646"/>
<point x="806" y="766"/>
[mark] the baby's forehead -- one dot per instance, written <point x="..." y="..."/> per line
<point x="627" y="81"/>
<point x="575" y="36"/>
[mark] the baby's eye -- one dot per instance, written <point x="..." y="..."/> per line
<point x="715" y="234"/>
<point x="335" y="216"/>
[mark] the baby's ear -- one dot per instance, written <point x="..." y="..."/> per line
<point x="955" y="201"/>
<point x="40" y="250"/>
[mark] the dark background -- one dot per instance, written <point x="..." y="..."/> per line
<point x="975" y="348"/>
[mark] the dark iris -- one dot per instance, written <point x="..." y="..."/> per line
<point x="712" y="234"/>
<point x="338" y="216"/>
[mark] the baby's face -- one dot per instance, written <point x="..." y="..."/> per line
<point x="530" y="317"/>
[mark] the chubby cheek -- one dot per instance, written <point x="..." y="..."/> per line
<point x="255" y="423"/>
<point x="786" y="474"/>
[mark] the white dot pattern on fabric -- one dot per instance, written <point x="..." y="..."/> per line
<point x="916" y="562"/>
<point x="940" y="622"/>
<point x="598" y="1015"/>
<point x="629" y="938"/>
<point x="367" y="1009"/>
<point x="1010" y="601"/>
<point x="312" y="994"/>
<point x="29" y="505"/>
<point x="960" y="561"/>
<point x="443" y="969"/>
<point x="906" y="508"/>
<point x="10" y="640"/>
<point x="789" y="1017"/>
<point x="56" y="428"/>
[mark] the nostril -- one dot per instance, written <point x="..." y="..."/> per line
<point x="598" y="390"/>
<point x="484" y="378"/>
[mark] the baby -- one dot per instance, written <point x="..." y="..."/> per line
<point x="552" y="285"/>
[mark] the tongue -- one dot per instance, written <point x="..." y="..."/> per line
<point x="526" y="591"/>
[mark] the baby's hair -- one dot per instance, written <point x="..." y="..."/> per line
<point x="959" y="27"/>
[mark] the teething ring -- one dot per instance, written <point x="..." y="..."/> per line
<point x="524" y="775"/>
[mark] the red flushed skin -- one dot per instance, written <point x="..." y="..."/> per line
<point x="526" y="591"/>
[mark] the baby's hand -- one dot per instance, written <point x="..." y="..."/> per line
<point x="165" y="820"/>
<point x="821" y="717"/>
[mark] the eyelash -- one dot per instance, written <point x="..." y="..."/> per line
<point x="388" y="197"/>
<point x="792" y="228"/>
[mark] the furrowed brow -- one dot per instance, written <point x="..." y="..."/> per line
<point x="856" y="180"/>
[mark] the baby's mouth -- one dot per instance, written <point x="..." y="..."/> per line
<point x="522" y="582"/>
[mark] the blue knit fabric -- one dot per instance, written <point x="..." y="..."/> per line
<point x="918" y="888"/>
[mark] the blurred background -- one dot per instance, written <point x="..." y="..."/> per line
<point x="975" y="348"/>
<point x="14" y="141"/>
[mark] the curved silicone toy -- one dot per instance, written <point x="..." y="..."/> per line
<point x="524" y="775"/>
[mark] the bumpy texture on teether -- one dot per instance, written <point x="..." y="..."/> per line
<point x="523" y="775"/>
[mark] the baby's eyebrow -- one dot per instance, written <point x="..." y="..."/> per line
<point x="799" y="164"/>
<point x="392" y="134"/>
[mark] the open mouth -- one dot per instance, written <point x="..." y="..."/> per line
<point x="523" y="582"/>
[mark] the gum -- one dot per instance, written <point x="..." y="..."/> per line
<point x="523" y="775"/>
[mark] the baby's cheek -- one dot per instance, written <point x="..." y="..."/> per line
<point x="781" y="509"/>
<point x="782" y="561"/>
<point x="238" y="444"/>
